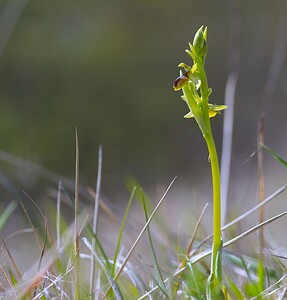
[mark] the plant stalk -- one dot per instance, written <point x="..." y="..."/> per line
<point x="216" y="198"/>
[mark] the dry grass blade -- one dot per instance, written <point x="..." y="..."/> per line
<point x="188" y="249"/>
<point x="95" y="218"/>
<point x="103" y="205"/>
<point x="254" y="229"/>
<point x="34" y="276"/>
<point x="107" y="274"/>
<point x="261" y="241"/>
<point x="140" y="234"/>
<point x="183" y="263"/>
<point x="243" y="216"/>
<point x="76" y="219"/>
<point x="260" y="141"/>
<point x="76" y="241"/>
<point x="206" y="253"/>
<point x="17" y="270"/>
<point x="7" y="279"/>
<point x="31" y="223"/>
<point x="98" y="187"/>
<point x="45" y="226"/>
<point x="52" y="284"/>
<point x="58" y="217"/>
<point x="230" y="88"/>
<point x="34" y="168"/>
<point x="269" y="291"/>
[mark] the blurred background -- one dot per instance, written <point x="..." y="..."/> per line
<point x="107" y="68"/>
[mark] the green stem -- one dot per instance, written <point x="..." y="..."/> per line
<point x="216" y="199"/>
<point x="197" y="101"/>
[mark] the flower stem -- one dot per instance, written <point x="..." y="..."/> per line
<point x="196" y="94"/>
<point x="216" y="199"/>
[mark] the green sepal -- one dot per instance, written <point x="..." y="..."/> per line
<point x="189" y="115"/>
<point x="214" y="109"/>
<point x="183" y="98"/>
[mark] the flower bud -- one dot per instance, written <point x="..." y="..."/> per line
<point x="198" y="40"/>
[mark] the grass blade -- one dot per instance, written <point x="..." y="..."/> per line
<point x="7" y="213"/>
<point x="235" y="290"/>
<point x="121" y="232"/>
<point x="206" y="253"/>
<point x="142" y="232"/>
<point x="95" y="218"/>
<point x="106" y="272"/>
<point x="275" y="155"/>
<point x="101" y="248"/>
<point x="244" y="215"/>
<point x="76" y="220"/>
<point x="160" y="281"/>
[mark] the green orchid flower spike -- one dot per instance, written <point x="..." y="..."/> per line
<point x="193" y="83"/>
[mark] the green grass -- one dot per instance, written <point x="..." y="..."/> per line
<point x="149" y="268"/>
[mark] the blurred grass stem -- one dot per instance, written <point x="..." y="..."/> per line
<point x="95" y="220"/>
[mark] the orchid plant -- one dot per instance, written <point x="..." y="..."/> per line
<point x="196" y="93"/>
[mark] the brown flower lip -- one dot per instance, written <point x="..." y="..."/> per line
<point x="181" y="81"/>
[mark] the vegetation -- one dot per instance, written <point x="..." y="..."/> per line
<point x="74" y="263"/>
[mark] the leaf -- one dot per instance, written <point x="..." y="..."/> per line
<point x="102" y="265"/>
<point x="218" y="263"/>
<point x="275" y="155"/>
<point x="121" y="232"/>
<point x="7" y="213"/>
<point x="235" y="290"/>
<point x="260" y="275"/>
<point x="213" y="289"/>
